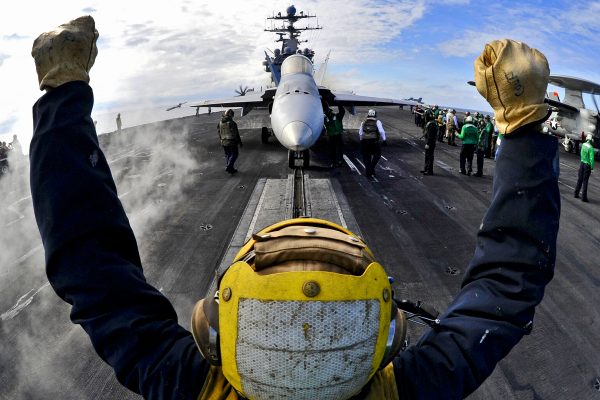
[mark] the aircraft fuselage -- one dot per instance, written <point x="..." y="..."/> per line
<point x="297" y="114"/>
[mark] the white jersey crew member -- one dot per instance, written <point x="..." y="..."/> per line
<point x="371" y="132"/>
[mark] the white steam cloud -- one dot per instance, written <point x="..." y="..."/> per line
<point x="152" y="166"/>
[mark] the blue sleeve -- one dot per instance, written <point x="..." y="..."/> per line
<point x="92" y="261"/>
<point x="513" y="262"/>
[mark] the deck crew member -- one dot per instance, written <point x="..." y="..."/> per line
<point x="335" y="129"/>
<point x="230" y="139"/>
<point x="451" y="127"/>
<point x="118" y="121"/>
<point x="430" y="132"/>
<point x="585" y="167"/>
<point x="371" y="133"/>
<point x="469" y="137"/>
<point x="483" y="144"/>
<point x="441" y="127"/>
<point x="297" y="289"/>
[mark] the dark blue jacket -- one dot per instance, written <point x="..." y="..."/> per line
<point x="93" y="263"/>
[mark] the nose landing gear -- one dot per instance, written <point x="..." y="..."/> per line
<point x="304" y="156"/>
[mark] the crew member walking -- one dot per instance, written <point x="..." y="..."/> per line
<point x="230" y="138"/>
<point x="335" y="128"/>
<point x="430" y="132"/>
<point x="585" y="168"/>
<point x="370" y="133"/>
<point x="469" y="137"/>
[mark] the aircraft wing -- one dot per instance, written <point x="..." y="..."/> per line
<point x="561" y="105"/>
<point x="350" y="99"/>
<point x="569" y="82"/>
<point x="246" y="102"/>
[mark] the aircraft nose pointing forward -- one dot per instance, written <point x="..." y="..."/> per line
<point x="297" y="136"/>
<point x="297" y="115"/>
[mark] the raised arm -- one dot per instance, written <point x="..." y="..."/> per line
<point x="92" y="261"/>
<point x="515" y="254"/>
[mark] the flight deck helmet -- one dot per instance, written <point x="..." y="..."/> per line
<point x="428" y="115"/>
<point x="589" y="137"/>
<point x="229" y="113"/>
<point x="469" y="120"/>
<point x="372" y="113"/>
<point x="304" y="311"/>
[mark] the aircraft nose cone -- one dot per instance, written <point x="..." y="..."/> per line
<point x="297" y="136"/>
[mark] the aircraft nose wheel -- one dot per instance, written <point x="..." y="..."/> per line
<point x="298" y="155"/>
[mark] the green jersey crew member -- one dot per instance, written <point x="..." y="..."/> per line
<point x="335" y="128"/>
<point x="585" y="168"/>
<point x="469" y="136"/>
<point x="483" y="144"/>
<point x="230" y="138"/>
<point x="304" y="290"/>
<point x="370" y="134"/>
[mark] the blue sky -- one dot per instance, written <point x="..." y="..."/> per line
<point x="157" y="54"/>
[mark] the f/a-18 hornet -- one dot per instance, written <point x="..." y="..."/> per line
<point x="296" y="103"/>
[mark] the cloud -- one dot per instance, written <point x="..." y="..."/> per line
<point x="7" y="123"/>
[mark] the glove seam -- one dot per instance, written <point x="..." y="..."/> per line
<point x="498" y="92"/>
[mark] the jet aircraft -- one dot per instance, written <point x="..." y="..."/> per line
<point x="296" y="103"/>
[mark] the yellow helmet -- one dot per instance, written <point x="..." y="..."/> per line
<point x="304" y="312"/>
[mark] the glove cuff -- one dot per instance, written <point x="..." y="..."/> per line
<point x="63" y="73"/>
<point x="509" y="119"/>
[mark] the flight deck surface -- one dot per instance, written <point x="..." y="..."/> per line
<point x="190" y="217"/>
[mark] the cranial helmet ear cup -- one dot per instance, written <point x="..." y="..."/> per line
<point x="205" y="329"/>
<point x="396" y="335"/>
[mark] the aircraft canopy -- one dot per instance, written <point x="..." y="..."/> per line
<point x="296" y="64"/>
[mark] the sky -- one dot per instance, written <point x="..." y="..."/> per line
<point x="153" y="55"/>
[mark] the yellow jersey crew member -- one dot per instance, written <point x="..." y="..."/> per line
<point x="305" y="311"/>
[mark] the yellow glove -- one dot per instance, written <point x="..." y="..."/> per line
<point x="513" y="78"/>
<point x="66" y="53"/>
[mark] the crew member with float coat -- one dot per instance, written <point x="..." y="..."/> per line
<point x="451" y="127"/>
<point x="441" y="127"/>
<point x="431" y="134"/>
<point x="371" y="133"/>
<point x="230" y="139"/>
